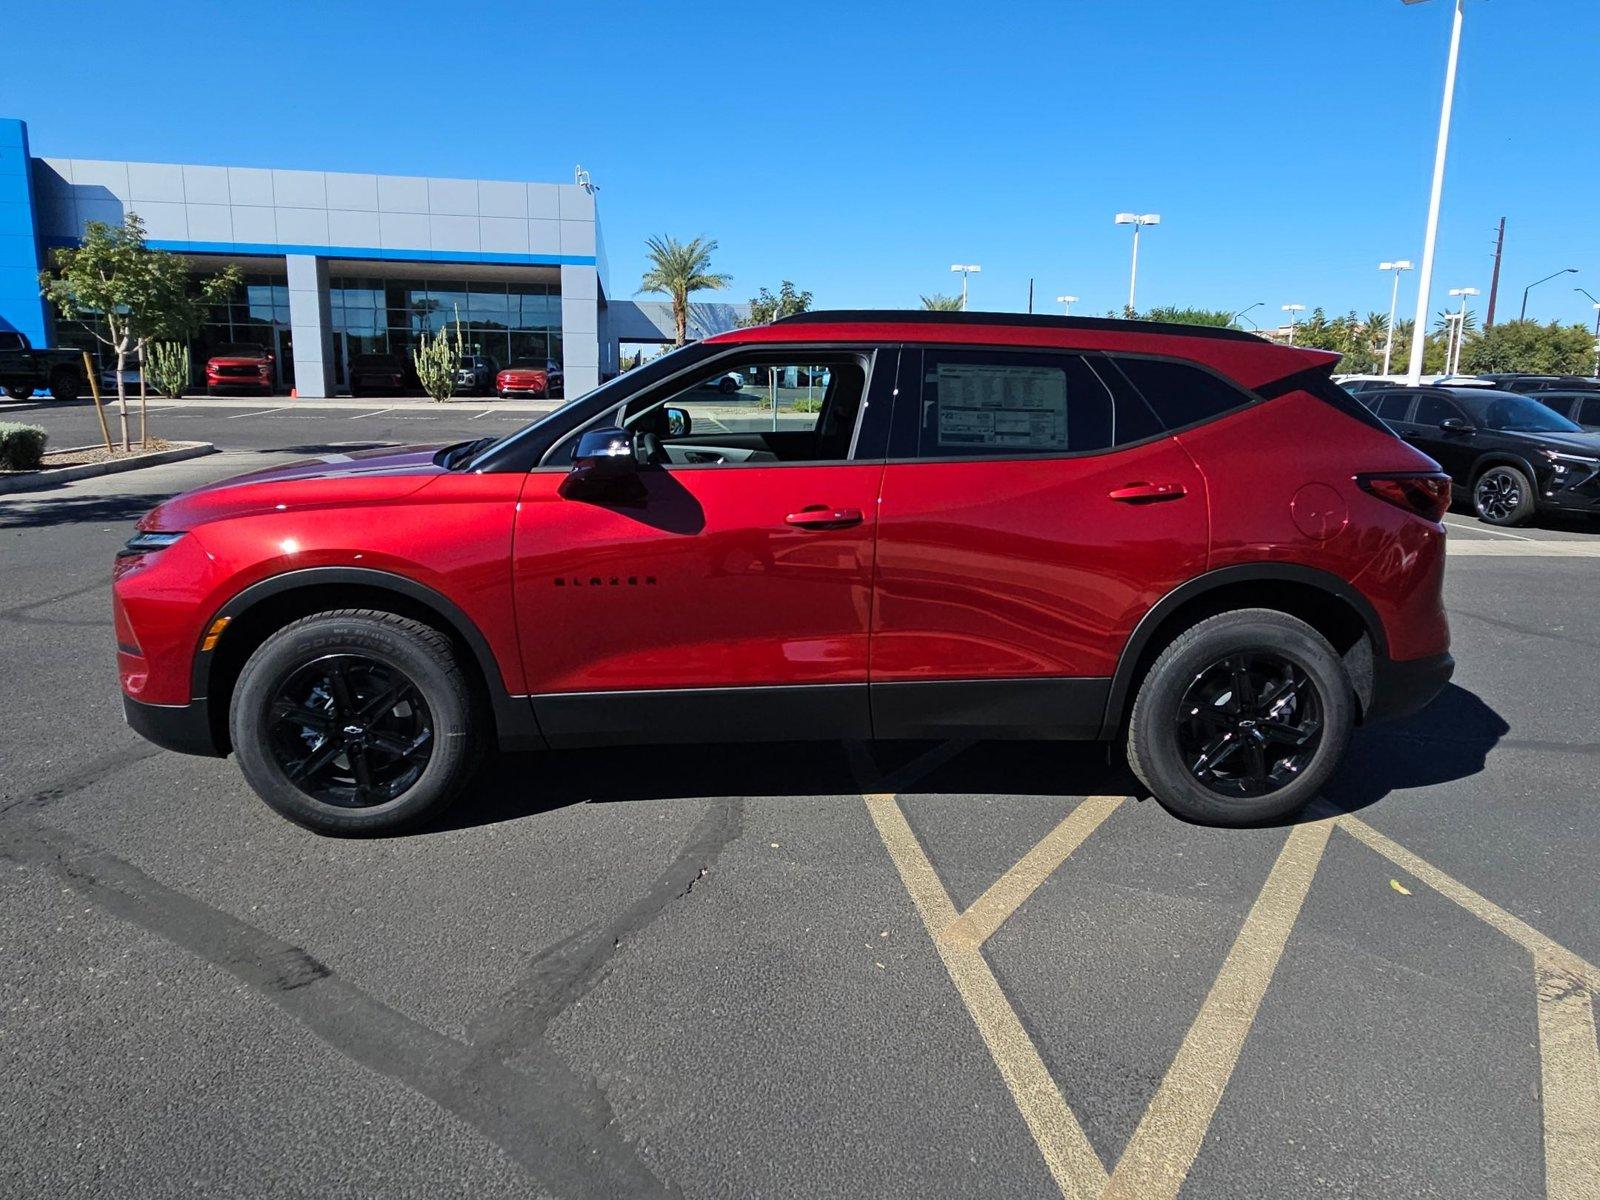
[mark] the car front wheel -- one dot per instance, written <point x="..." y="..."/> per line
<point x="1503" y="496"/>
<point x="356" y="722"/>
<point x="1243" y="718"/>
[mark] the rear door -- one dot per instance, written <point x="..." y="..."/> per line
<point x="1032" y="511"/>
<point x="1452" y="449"/>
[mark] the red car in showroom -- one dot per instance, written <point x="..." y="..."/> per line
<point x="1185" y="540"/>
<point x="241" y="367"/>
<point x="529" y="377"/>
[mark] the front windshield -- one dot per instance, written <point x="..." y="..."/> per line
<point x="1518" y="414"/>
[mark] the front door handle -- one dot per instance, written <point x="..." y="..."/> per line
<point x="823" y="516"/>
<point x="1149" y="493"/>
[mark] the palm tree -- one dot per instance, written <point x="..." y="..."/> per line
<point x="678" y="268"/>
<point x="941" y="303"/>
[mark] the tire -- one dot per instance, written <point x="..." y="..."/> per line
<point x="1274" y="648"/>
<point x="19" y="391"/>
<point x="435" y="717"/>
<point x="1503" y="495"/>
<point x="727" y="386"/>
<point x="66" y="386"/>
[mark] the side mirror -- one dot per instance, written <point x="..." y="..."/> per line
<point x="603" y="463"/>
<point x="1455" y="425"/>
<point x="678" y="422"/>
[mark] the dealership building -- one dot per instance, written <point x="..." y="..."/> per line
<point x="336" y="264"/>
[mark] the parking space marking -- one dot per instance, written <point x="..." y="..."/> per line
<point x="1482" y="528"/>
<point x="1569" y="1066"/>
<point x="1526" y="548"/>
<point x="1007" y="894"/>
<point x="1071" y="1160"/>
<point x="484" y="413"/>
<point x="262" y="413"/>
<point x="1157" y="1158"/>
<point x="377" y="412"/>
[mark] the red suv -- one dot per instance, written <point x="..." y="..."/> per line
<point x="924" y="526"/>
<point x="243" y="367"/>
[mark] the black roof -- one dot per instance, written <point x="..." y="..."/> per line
<point x="922" y="316"/>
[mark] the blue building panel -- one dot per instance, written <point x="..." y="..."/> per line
<point x="21" y="306"/>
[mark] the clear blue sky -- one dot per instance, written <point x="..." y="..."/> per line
<point x="861" y="148"/>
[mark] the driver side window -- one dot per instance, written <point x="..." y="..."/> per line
<point x="763" y="410"/>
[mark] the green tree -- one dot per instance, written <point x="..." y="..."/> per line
<point x="1551" y="349"/>
<point x="767" y="308"/>
<point x="679" y="269"/>
<point x="130" y="295"/>
<point x="938" y="302"/>
<point x="1173" y="315"/>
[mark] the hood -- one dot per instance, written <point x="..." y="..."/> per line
<point x="234" y="360"/>
<point x="1570" y="443"/>
<point x="360" y="477"/>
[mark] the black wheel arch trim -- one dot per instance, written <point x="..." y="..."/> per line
<point x="1128" y="662"/>
<point x="515" y="724"/>
<point x="1490" y="459"/>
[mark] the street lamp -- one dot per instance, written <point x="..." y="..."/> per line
<point x="1452" y="361"/>
<point x="1242" y="311"/>
<point x="1138" y="221"/>
<point x="965" y="269"/>
<point x="1293" y="310"/>
<point x="1425" y="276"/>
<point x="1069" y="301"/>
<point x="1588" y="293"/>
<point x="1398" y="265"/>
<point x="1523" y="315"/>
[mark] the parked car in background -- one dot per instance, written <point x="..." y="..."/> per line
<point x="727" y="382"/>
<point x="1187" y="540"/>
<point x="25" y="370"/>
<point x="1509" y="455"/>
<point x="378" y="375"/>
<point x="529" y="377"/>
<point x="108" y="379"/>
<point x="1361" y="385"/>
<point x="1580" y="407"/>
<point x="475" y="376"/>
<point x="239" y="367"/>
<point x="1543" y="383"/>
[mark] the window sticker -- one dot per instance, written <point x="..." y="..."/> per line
<point x="1014" y="407"/>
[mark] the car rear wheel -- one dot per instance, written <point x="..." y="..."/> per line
<point x="19" y="391"/>
<point x="65" y="385"/>
<point x="1242" y="719"/>
<point x="1503" y="495"/>
<point x="356" y="722"/>
<point x="727" y="385"/>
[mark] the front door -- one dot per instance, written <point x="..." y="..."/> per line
<point x="733" y="599"/>
<point x="1032" y="511"/>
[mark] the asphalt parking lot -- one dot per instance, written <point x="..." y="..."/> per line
<point x="839" y="970"/>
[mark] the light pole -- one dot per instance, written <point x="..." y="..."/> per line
<point x="1138" y="221"/>
<point x="1069" y="301"/>
<point x="1398" y="265"/>
<point x="1523" y="315"/>
<point x="965" y="269"/>
<point x="1452" y="362"/>
<point x="1242" y="311"/>
<point x="1293" y="310"/>
<point x="1425" y="275"/>
<point x="1586" y="292"/>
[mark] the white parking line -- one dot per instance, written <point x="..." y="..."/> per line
<point x="1481" y="528"/>
<point x="377" y="412"/>
<point x="484" y="413"/>
<point x="262" y="413"/>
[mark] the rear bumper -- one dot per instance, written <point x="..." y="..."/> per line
<point x="185" y="728"/>
<point x="1407" y="686"/>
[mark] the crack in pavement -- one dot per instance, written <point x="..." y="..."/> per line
<point x="91" y="773"/>
<point x="541" y="1114"/>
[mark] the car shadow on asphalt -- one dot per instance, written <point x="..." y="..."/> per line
<point x="37" y="509"/>
<point x="1449" y="740"/>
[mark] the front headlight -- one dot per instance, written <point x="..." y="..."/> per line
<point x="148" y="542"/>
<point x="1571" y="460"/>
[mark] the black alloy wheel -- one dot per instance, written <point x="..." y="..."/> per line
<point x="1503" y="496"/>
<point x="350" y="730"/>
<point x="1249" y="724"/>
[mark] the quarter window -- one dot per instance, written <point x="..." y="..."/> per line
<point x="1588" y="411"/>
<point x="1181" y="394"/>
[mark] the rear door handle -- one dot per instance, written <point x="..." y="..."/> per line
<point x="1149" y="493"/>
<point x="822" y="516"/>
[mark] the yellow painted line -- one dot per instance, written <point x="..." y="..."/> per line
<point x="992" y="909"/>
<point x="1569" y="1064"/>
<point x="1163" y="1148"/>
<point x="1071" y="1160"/>
<point x="1549" y="548"/>
<point x="1515" y="928"/>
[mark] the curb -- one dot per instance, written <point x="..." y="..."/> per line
<point x="39" y="480"/>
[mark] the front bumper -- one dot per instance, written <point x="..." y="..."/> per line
<point x="185" y="728"/>
<point x="1400" y="688"/>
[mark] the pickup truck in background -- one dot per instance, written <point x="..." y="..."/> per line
<point x="24" y="370"/>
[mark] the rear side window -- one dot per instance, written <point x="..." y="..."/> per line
<point x="1182" y="394"/>
<point x="10" y="341"/>
<point x="1392" y="406"/>
<point x="1588" y="411"/>
<point x="979" y="404"/>
<point x="1433" y="409"/>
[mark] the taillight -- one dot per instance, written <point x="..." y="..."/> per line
<point x="1428" y="496"/>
